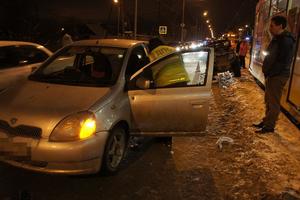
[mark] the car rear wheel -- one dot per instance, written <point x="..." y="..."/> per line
<point x="115" y="150"/>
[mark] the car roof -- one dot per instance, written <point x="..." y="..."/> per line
<point x="121" y="43"/>
<point x="11" y="43"/>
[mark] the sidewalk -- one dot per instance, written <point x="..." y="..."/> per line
<point x="255" y="166"/>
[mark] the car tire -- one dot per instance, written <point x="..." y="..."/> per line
<point x="115" y="149"/>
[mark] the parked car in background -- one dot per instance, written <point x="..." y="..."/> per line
<point x="189" y="45"/>
<point x="224" y="55"/>
<point x="18" y="60"/>
<point x="75" y="113"/>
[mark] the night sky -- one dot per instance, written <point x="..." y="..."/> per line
<point x="228" y="14"/>
<point x="224" y="14"/>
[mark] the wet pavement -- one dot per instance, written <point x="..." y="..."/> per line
<point x="149" y="172"/>
<point x="251" y="167"/>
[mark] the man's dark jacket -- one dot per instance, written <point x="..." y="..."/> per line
<point x="280" y="55"/>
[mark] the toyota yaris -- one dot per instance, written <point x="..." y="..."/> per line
<point x="75" y="113"/>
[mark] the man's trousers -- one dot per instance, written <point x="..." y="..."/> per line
<point x="273" y="92"/>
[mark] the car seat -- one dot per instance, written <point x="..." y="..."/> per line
<point x="101" y="67"/>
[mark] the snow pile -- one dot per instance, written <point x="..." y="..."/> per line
<point x="225" y="79"/>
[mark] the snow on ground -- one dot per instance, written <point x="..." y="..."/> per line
<point x="255" y="166"/>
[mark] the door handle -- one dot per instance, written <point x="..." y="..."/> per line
<point x="196" y="104"/>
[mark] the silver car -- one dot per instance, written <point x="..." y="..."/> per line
<point x="18" y="59"/>
<point x="74" y="115"/>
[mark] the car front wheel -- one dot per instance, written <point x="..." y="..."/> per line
<point x="115" y="150"/>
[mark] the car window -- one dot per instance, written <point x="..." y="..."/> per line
<point x="137" y="60"/>
<point x="31" y="55"/>
<point x="196" y="65"/>
<point x="82" y="65"/>
<point x="181" y="69"/>
<point x="9" y="57"/>
<point x="20" y="55"/>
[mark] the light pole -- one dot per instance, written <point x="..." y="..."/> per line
<point x="182" y="25"/>
<point x="205" y="15"/>
<point x="135" y="18"/>
<point x="182" y="20"/>
<point x="119" y="11"/>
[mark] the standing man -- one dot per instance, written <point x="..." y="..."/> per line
<point x="243" y="50"/>
<point x="276" y="69"/>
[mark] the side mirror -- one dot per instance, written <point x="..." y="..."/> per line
<point x="143" y="83"/>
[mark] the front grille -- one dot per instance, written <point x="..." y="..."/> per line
<point x="21" y="130"/>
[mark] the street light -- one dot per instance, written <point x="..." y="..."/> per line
<point x="205" y="13"/>
<point x="119" y="11"/>
<point x="207" y="21"/>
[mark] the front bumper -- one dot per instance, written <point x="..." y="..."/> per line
<point x="78" y="157"/>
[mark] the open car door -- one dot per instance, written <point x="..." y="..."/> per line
<point x="175" y="109"/>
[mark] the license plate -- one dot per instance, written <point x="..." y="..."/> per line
<point x="12" y="150"/>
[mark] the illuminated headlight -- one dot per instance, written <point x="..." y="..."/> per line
<point x="193" y="46"/>
<point x="177" y="48"/>
<point x="74" y="127"/>
<point x="200" y="44"/>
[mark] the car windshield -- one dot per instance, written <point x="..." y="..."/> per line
<point x="20" y="55"/>
<point x="82" y="65"/>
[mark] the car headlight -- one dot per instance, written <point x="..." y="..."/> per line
<point x="74" y="127"/>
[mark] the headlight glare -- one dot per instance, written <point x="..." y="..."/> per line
<point x="74" y="127"/>
<point x="88" y="128"/>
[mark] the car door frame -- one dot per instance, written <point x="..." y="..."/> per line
<point x="197" y="97"/>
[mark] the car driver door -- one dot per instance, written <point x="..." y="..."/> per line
<point x="176" y="108"/>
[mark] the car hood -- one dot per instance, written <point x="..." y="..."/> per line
<point x="13" y="75"/>
<point x="44" y="105"/>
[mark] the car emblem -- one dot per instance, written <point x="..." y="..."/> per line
<point x="13" y="121"/>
